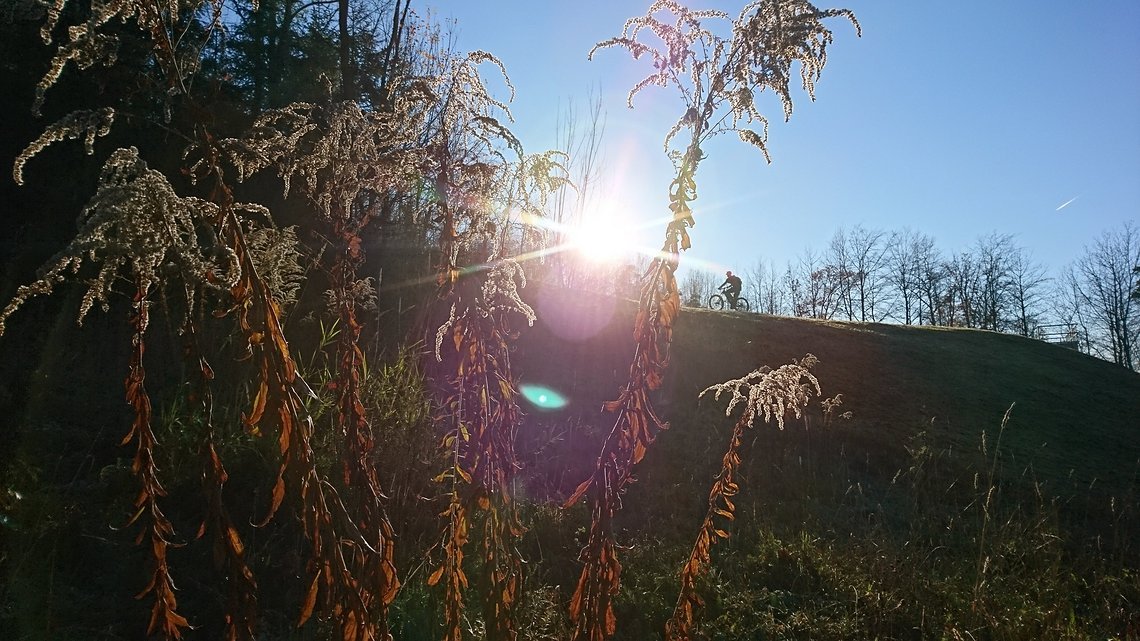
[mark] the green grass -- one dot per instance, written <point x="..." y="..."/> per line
<point x="1076" y="418"/>
<point x="919" y="517"/>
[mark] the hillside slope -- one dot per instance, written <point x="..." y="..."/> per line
<point x="919" y="517"/>
<point x="1075" y="418"/>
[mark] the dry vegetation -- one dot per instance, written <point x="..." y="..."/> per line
<point x="318" y="453"/>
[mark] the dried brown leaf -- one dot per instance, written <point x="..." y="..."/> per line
<point x="310" y="601"/>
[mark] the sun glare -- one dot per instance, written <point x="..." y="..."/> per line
<point x="602" y="239"/>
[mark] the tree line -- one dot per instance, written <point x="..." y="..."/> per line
<point x="874" y="275"/>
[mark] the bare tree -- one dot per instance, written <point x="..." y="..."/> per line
<point x="856" y="261"/>
<point x="767" y="289"/>
<point x="754" y="283"/>
<point x="867" y="251"/>
<point x="1067" y="305"/>
<point x="697" y="286"/>
<point x="840" y="267"/>
<point x="817" y="288"/>
<point x="933" y="282"/>
<point x="904" y="271"/>
<point x="1028" y="286"/>
<point x="993" y="255"/>
<point x="776" y="297"/>
<point x="1103" y="280"/>
<point x="962" y="298"/>
<point x="793" y="286"/>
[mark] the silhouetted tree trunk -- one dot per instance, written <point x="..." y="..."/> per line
<point x="347" y="86"/>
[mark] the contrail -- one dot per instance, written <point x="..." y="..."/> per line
<point x="1066" y="203"/>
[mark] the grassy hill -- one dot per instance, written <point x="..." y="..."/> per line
<point x="920" y="516"/>
<point x="1075" y="420"/>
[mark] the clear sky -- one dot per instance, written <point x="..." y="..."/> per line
<point x="955" y="119"/>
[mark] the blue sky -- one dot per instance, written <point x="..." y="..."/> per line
<point x="953" y="119"/>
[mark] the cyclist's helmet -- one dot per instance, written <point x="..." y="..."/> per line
<point x="728" y="273"/>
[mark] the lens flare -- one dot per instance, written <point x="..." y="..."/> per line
<point x="543" y="397"/>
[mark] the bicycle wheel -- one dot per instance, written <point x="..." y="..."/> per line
<point x="742" y="305"/>
<point x="716" y="301"/>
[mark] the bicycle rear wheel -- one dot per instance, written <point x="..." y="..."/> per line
<point x="742" y="305"/>
<point x="716" y="301"/>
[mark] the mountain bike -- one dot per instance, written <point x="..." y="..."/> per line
<point x="720" y="301"/>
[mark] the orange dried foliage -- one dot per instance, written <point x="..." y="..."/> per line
<point x="636" y="427"/>
<point x="484" y="409"/>
<point x="360" y="476"/>
<point x="721" y="504"/>
<point x="351" y="556"/>
<point x="228" y="548"/>
<point x="164" y="618"/>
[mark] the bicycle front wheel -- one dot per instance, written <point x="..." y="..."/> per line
<point x="716" y="301"/>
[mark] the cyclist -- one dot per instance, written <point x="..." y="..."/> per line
<point x="731" y="287"/>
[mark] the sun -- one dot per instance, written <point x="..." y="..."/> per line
<point x="601" y="238"/>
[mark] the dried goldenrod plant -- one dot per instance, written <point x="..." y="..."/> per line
<point x="276" y="256"/>
<point x="352" y="569"/>
<point x="345" y="161"/>
<point x="88" y="124"/>
<point x="137" y="227"/>
<point x="478" y="195"/>
<point x="175" y="49"/>
<point x="229" y="549"/>
<point x="483" y="412"/>
<point x="136" y="222"/>
<point x="718" y="76"/>
<point x="768" y="394"/>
